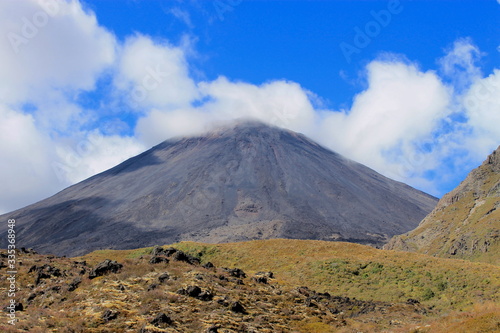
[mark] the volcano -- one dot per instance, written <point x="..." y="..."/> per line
<point x="240" y="182"/>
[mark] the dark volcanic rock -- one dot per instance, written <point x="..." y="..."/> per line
<point x="157" y="260"/>
<point x="74" y="284"/>
<point x="161" y="320"/>
<point x="213" y="329"/>
<point x="105" y="267"/>
<point x="109" y="315"/>
<point x="181" y="256"/>
<point x="236" y="272"/>
<point x="193" y="291"/>
<point x="249" y="181"/>
<point x="163" y="277"/>
<point x="44" y="272"/>
<point x="152" y="286"/>
<point x="208" y="265"/>
<point x="16" y="307"/>
<point x="237" y="307"/>
<point x="260" y="279"/>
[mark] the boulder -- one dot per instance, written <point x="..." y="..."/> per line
<point x="236" y="272"/>
<point x="193" y="291"/>
<point x="74" y="284"/>
<point x="105" y="267"/>
<point x="161" y="320"/>
<point x="260" y="279"/>
<point x="269" y="275"/>
<point x="206" y="296"/>
<point x="163" y="277"/>
<point x="109" y="315"/>
<point x="208" y="265"/>
<point x="237" y="307"/>
<point x="157" y="260"/>
<point x="152" y="286"/>
<point x="181" y="256"/>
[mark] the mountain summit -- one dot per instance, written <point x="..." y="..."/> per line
<point x="248" y="181"/>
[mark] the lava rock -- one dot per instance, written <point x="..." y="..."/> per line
<point x="237" y="307"/>
<point x="310" y="303"/>
<point x="157" y="250"/>
<point x="170" y="251"/>
<point x="193" y="291"/>
<point x="18" y="306"/>
<point x="181" y="256"/>
<point x="157" y="260"/>
<point x="80" y="263"/>
<point x="236" y="272"/>
<point x="74" y="284"/>
<point x="28" y="251"/>
<point x="208" y="265"/>
<point x="109" y="315"/>
<point x="44" y="272"/>
<point x="152" y="286"/>
<point x="213" y="329"/>
<point x="269" y="275"/>
<point x="105" y="267"/>
<point x="163" y="277"/>
<point x="260" y="279"/>
<point x="206" y="296"/>
<point x="161" y="320"/>
<point x="182" y="291"/>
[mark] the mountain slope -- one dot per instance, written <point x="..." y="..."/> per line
<point x="465" y="223"/>
<point x="248" y="181"/>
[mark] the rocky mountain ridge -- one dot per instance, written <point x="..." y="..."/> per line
<point x="465" y="223"/>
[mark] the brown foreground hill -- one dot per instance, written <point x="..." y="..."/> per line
<point x="257" y="286"/>
<point x="466" y="222"/>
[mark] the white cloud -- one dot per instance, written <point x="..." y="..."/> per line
<point x="26" y="154"/>
<point x="182" y="15"/>
<point x="459" y="63"/>
<point x="482" y="103"/>
<point x="154" y="74"/>
<point x="279" y="103"/>
<point x="401" y="105"/>
<point x="52" y="51"/>
<point x="92" y="154"/>
<point x="60" y="46"/>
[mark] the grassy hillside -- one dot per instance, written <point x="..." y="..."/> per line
<point x="316" y="286"/>
<point x="466" y="222"/>
<point x="360" y="271"/>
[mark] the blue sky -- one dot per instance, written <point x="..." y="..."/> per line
<point x="409" y="88"/>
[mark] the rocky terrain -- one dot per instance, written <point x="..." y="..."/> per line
<point x="243" y="182"/>
<point x="466" y="222"/>
<point x="298" y="286"/>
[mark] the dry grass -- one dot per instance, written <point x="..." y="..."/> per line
<point x="381" y="280"/>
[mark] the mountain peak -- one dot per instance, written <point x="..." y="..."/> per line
<point x="240" y="182"/>
<point x="494" y="160"/>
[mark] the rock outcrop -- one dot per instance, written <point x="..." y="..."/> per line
<point x="466" y="222"/>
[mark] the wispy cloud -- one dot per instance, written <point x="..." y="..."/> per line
<point x="182" y="15"/>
